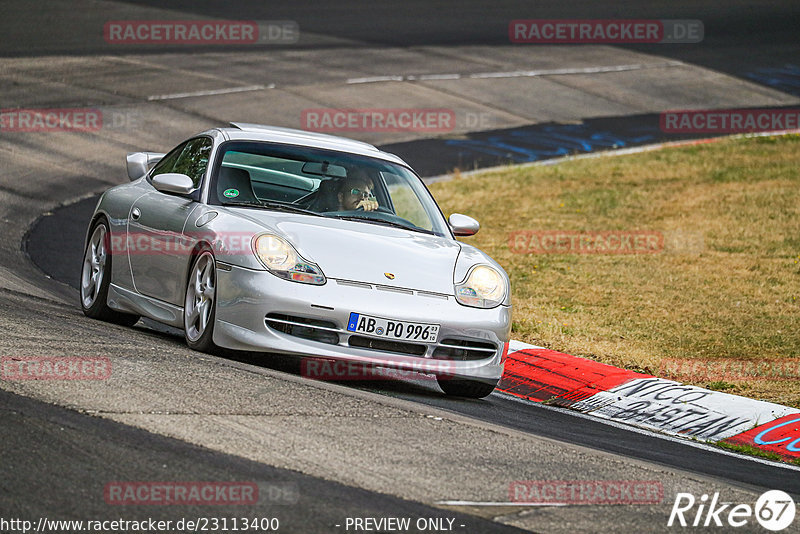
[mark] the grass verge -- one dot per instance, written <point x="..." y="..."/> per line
<point x="751" y="451"/>
<point x="723" y="286"/>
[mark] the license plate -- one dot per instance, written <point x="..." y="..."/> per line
<point x="389" y="328"/>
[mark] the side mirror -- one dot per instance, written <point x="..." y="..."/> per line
<point x="172" y="182"/>
<point x="463" y="225"/>
<point x="138" y="163"/>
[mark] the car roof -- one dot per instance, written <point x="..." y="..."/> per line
<point x="242" y="131"/>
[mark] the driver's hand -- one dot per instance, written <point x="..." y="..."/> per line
<point x="368" y="204"/>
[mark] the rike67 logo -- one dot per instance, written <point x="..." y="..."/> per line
<point x="774" y="510"/>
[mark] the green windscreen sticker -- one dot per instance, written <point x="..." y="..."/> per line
<point x="231" y="193"/>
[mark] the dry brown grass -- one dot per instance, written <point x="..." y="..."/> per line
<point x="726" y="285"/>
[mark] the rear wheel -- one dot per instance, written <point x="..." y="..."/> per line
<point x="96" y="278"/>
<point x="471" y="389"/>
<point x="200" y="304"/>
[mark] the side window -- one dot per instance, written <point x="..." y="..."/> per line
<point x="168" y="162"/>
<point x="190" y="158"/>
<point x="193" y="161"/>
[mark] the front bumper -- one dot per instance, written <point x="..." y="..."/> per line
<point x="245" y="297"/>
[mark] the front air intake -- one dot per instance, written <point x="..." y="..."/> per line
<point x="463" y="350"/>
<point x="386" y="345"/>
<point x="303" y="327"/>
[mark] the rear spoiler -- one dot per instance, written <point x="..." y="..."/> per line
<point x="139" y="163"/>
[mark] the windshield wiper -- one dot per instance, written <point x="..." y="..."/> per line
<point x="277" y="206"/>
<point x="280" y="206"/>
<point x="243" y="204"/>
<point x="383" y="222"/>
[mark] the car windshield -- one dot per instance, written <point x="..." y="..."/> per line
<point x="323" y="183"/>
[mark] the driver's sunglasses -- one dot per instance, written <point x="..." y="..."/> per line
<point x="367" y="193"/>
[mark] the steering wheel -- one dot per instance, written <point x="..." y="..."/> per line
<point x="380" y="209"/>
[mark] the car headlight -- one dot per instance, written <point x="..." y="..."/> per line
<point x="281" y="259"/>
<point x="484" y="287"/>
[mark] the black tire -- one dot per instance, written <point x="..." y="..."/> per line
<point x="96" y="278"/>
<point x="204" y="342"/>
<point x="471" y="389"/>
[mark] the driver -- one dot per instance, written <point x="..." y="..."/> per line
<point x="355" y="191"/>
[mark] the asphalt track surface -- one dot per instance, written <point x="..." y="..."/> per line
<point x="88" y="451"/>
<point x="740" y="35"/>
<point x="56" y="460"/>
<point x="59" y="258"/>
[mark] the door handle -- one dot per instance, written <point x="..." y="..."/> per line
<point x="135" y="214"/>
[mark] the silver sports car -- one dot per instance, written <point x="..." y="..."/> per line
<point x="283" y="241"/>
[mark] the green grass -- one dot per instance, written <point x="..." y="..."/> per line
<point x="720" y="385"/>
<point x="725" y="285"/>
<point x="751" y="451"/>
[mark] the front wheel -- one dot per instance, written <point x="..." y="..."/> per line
<point x="96" y="278"/>
<point x="459" y="387"/>
<point x="200" y="304"/>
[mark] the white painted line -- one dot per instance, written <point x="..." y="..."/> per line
<point x="516" y="346"/>
<point x="489" y="503"/>
<point x="439" y="77"/>
<point x="212" y="92"/>
<point x="515" y="73"/>
<point x="582" y="70"/>
<point x="373" y="79"/>
<point x="650" y="433"/>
